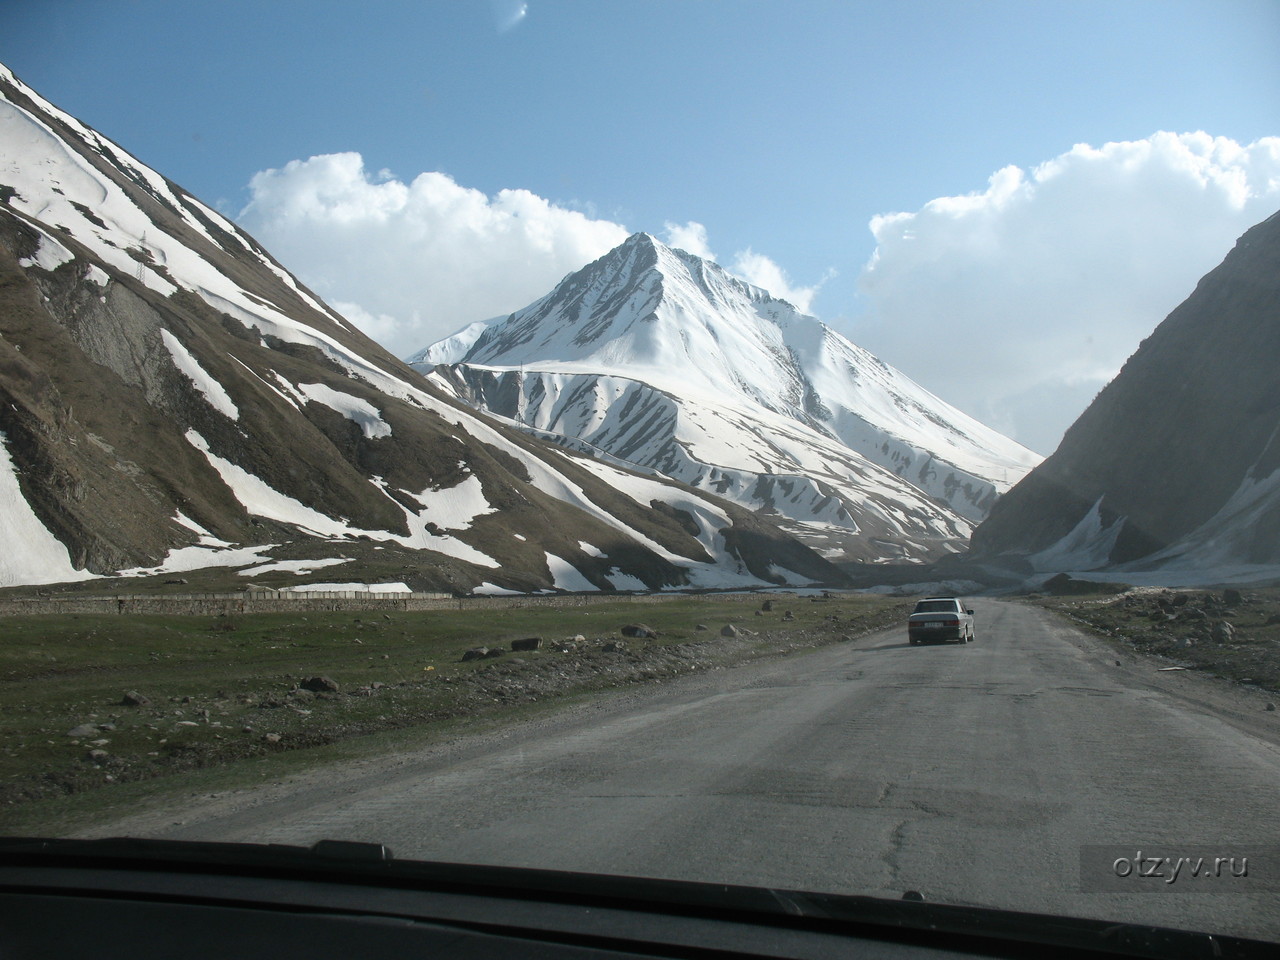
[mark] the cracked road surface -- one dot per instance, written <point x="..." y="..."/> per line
<point x="972" y="774"/>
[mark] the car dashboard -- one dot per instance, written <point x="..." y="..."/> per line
<point x="142" y="899"/>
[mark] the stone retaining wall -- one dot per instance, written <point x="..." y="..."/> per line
<point x="215" y="604"/>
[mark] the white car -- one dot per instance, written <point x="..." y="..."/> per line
<point x="940" y="618"/>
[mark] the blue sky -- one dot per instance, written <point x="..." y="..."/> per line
<point x="778" y="129"/>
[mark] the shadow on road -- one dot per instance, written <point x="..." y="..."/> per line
<point x="904" y="644"/>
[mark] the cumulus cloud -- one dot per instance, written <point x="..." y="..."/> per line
<point x="381" y="327"/>
<point x="411" y="263"/>
<point x="753" y="267"/>
<point x="1017" y="303"/>
<point x="690" y="237"/>
<point x="758" y="269"/>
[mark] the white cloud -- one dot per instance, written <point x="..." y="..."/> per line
<point x="381" y="327"/>
<point x="1019" y="302"/>
<point x="691" y="238"/>
<point x="755" y="268"/>
<point x="412" y="263"/>
<point x="758" y="269"/>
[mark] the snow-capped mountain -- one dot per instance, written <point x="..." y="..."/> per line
<point x="171" y="399"/>
<point x="1174" y="470"/>
<point x="657" y="358"/>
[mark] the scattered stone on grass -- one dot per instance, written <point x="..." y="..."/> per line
<point x="320" y="685"/>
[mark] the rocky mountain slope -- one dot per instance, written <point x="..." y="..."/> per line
<point x="1176" y="465"/>
<point x="171" y="398"/>
<point x="662" y="360"/>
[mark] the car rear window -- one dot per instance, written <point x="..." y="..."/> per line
<point x="937" y="606"/>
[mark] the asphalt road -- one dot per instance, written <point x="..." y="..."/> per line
<point x="971" y="773"/>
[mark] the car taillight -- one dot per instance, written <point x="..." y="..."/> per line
<point x="951" y="623"/>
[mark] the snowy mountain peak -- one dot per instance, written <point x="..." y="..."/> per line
<point x="683" y="320"/>
<point x="684" y="324"/>
<point x="716" y="283"/>
<point x="640" y="240"/>
<point x="667" y="361"/>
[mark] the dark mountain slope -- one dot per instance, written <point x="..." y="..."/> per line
<point x="1177" y="457"/>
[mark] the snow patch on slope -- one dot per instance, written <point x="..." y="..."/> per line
<point x="31" y="553"/>
<point x="566" y="576"/>
<point x="487" y="589"/>
<point x="1088" y="545"/>
<point x="624" y="581"/>
<point x="355" y="409"/>
<point x="375" y="588"/>
<point x="212" y="390"/>
<point x="456" y="507"/>
<point x="1228" y="535"/>
<point x="50" y="254"/>
<point x="197" y="557"/>
<point x="299" y="567"/>
<point x="262" y="500"/>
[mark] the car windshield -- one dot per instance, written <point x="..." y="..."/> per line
<point x="519" y="432"/>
